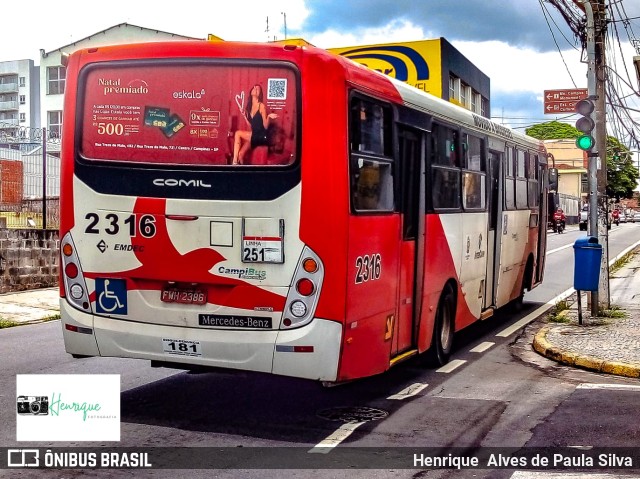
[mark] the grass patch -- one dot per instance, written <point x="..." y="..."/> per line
<point x="7" y="323"/>
<point x="559" y="313"/>
<point x="621" y="262"/>
<point x="613" y="312"/>
<point x="10" y="323"/>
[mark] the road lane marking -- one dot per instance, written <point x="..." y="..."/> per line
<point x="482" y="347"/>
<point x="408" y="391"/>
<point x="336" y="438"/>
<point x="447" y="368"/>
<point x="559" y="249"/>
<point x="534" y="314"/>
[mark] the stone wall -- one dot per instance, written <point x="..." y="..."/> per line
<point x="29" y="259"/>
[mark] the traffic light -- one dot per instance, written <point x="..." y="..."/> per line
<point x="585" y="124"/>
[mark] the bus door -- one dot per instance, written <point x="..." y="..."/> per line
<point x="411" y="149"/>
<point x="542" y="224"/>
<point x="495" y="208"/>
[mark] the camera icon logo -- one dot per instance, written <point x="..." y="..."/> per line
<point x="33" y="405"/>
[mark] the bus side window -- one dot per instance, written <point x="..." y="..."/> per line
<point x="533" y="193"/>
<point x="373" y="185"/>
<point x="509" y="183"/>
<point x="445" y="185"/>
<point x="370" y="128"/>
<point x="445" y="171"/>
<point x="371" y="164"/>
<point x="445" y="149"/>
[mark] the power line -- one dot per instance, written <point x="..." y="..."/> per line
<point x="545" y="12"/>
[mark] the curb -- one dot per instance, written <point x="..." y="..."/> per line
<point x="545" y="348"/>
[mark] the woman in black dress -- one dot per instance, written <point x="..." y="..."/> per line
<point x="258" y="121"/>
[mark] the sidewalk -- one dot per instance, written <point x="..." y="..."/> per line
<point x="30" y="306"/>
<point x="604" y="344"/>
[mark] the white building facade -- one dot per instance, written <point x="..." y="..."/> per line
<point x="19" y="99"/>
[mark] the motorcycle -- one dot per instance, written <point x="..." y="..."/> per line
<point x="558" y="226"/>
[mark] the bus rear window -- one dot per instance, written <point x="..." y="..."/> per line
<point x="189" y="114"/>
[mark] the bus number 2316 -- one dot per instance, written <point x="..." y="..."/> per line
<point x="368" y="268"/>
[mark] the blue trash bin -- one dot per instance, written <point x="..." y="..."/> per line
<point x="587" y="254"/>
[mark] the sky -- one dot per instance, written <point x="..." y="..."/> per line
<point x="509" y="40"/>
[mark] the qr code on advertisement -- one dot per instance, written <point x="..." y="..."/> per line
<point x="277" y="89"/>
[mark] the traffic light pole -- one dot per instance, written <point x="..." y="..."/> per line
<point x="598" y="154"/>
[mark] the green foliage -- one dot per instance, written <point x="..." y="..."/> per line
<point x="7" y="323"/>
<point x="553" y="130"/>
<point x="622" y="176"/>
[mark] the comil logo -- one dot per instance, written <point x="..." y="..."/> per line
<point x="175" y="182"/>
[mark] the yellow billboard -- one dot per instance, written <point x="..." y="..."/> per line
<point x="417" y="63"/>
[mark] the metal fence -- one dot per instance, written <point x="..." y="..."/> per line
<point x="29" y="178"/>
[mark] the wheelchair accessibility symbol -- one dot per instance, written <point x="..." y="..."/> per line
<point x="111" y="296"/>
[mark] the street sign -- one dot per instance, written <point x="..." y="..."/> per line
<point x="563" y="101"/>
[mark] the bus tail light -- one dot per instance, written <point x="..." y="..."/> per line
<point x="305" y="287"/>
<point x="73" y="277"/>
<point x="304" y="291"/>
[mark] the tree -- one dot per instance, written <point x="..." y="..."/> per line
<point x="622" y="176"/>
<point x="553" y="130"/>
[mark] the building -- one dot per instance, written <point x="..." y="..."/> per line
<point x="433" y="66"/>
<point x="573" y="186"/>
<point x="53" y="73"/>
<point x="572" y="167"/>
<point x="19" y="100"/>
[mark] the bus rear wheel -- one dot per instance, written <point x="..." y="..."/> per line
<point x="444" y="327"/>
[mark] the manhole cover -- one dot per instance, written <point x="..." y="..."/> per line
<point x="352" y="414"/>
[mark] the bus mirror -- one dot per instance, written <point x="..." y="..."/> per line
<point x="553" y="179"/>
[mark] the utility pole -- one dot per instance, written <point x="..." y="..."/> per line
<point x="593" y="156"/>
<point x="596" y="75"/>
<point x="600" y="27"/>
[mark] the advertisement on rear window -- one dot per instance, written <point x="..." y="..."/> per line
<point x="200" y="115"/>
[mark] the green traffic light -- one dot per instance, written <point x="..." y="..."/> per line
<point x="585" y="142"/>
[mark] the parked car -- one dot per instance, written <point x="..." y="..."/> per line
<point x="623" y="218"/>
<point x="584" y="218"/>
<point x="636" y="217"/>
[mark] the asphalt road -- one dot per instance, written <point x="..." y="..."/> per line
<point x="496" y="393"/>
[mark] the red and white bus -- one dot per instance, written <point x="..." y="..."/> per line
<point x="281" y="209"/>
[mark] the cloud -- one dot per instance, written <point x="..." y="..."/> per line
<point x="519" y="23"/>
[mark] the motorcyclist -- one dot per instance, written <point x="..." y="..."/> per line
<point x="560" y="216"/>
<point x="616" y="216"/>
